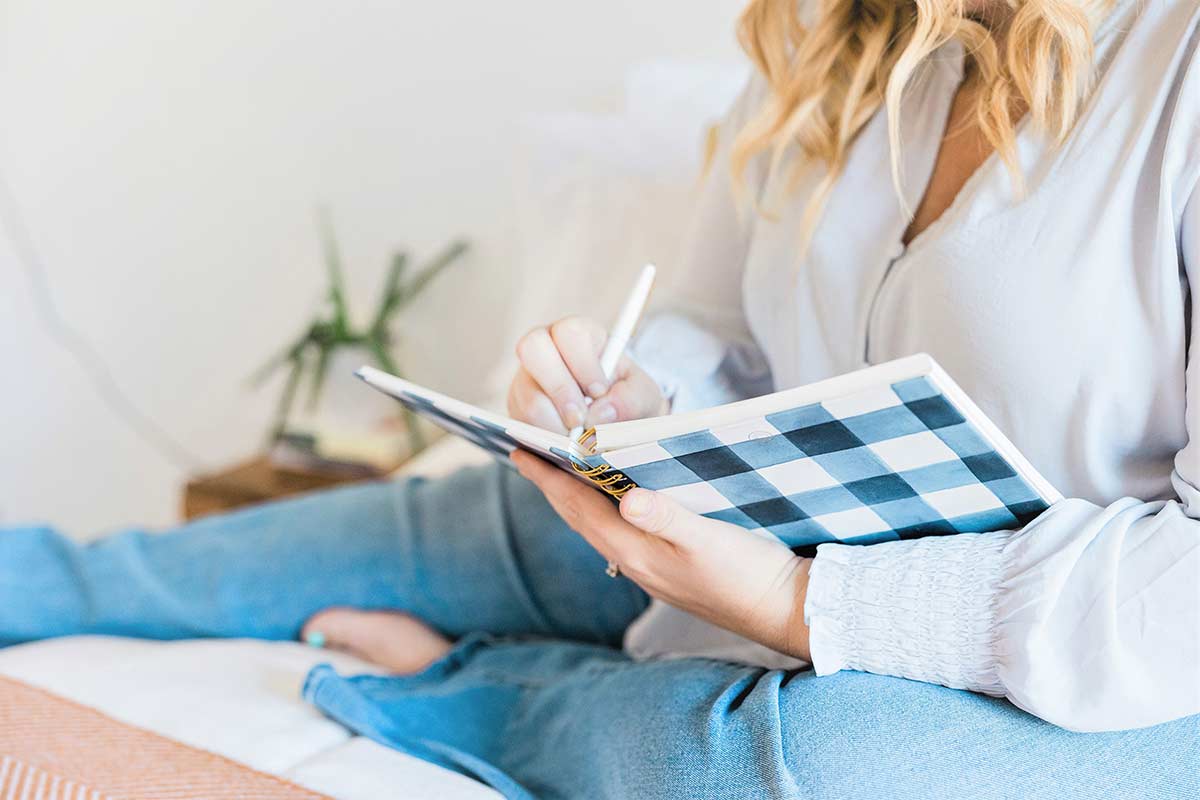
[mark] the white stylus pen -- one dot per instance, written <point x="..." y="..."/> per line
<point x="622" y="329"/>
<point x="627" y="320"/>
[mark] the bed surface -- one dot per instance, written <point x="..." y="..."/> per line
<point x="237" y="698"/>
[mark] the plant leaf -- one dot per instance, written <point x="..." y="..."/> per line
<point x="260" y="375"/>
<point x="384" y="358"/>
<point x="392" y="291"/>
<point x="284" y="409"/>
<point x="416" y="437"/>
<point x="412" y="423"/>
<point x="333" y="263"/>
<point x="444" y="259"/>
<point x="320" y="370"/>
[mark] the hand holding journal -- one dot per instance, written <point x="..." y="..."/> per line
<point x="895" y="450"/>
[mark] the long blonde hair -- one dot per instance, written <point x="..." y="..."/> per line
<point x="826" y="81"/>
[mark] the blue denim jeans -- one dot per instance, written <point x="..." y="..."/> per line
<point x="535" y="699"/>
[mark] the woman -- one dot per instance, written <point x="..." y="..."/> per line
<point x="1011" y="187"/>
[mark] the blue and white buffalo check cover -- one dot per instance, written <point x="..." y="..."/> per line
<point x="872" y="461"/>
<point x="892" y="462"/>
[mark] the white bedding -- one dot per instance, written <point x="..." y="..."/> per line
<point x="239" y="698"/>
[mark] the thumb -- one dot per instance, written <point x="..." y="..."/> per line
<point x="660" y="515"/>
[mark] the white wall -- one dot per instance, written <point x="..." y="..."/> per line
<point x="167" y="158"/>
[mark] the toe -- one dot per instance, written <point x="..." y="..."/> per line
<point x="397" y="641"/>
<point x="326" y="628"/>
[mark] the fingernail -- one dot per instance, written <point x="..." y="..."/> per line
<point x="603" y="411"/>
<point x="573" y="415"/>
<point x="314" y="639"/>
<point x="638" y="503"/>
<point x="597" y="389"/>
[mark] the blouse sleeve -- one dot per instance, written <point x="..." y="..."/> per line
<point x="1088" y="618"/>
<point x="697" y="343"/>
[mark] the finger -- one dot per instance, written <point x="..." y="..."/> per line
<point x="659" y="515"/>
<point x="528" y="403"/>
<point x="588" y="513"/>
<point x="625" y="365"/>
<point x="580" y="340"/>
<point x="571" y="500"/>
<point x="635" y="396"/>
<point x="578" y="502"/>
<point x="542" y="361"/>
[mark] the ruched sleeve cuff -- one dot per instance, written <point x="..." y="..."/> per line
<point x="923" y="609"/>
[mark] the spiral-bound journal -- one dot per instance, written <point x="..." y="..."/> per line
<point x="895" y="450"/>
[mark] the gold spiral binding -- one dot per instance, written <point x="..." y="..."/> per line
<point x="587" y="441"/>
<point x="604" y="477"/>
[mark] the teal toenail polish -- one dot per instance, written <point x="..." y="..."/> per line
<point x="315" y="639"/>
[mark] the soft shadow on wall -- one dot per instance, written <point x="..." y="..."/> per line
<point x="168" y="159"/>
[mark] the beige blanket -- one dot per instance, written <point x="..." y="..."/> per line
<point x="54" y="749"/>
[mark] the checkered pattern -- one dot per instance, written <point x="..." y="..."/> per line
<point x="887" y="463"/>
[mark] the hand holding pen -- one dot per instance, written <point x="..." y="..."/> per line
<point x="574" y="373"/>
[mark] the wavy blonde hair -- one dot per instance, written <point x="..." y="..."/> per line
<point x="826" y="81"/>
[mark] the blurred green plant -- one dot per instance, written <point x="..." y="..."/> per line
<point x="309" y="355"/>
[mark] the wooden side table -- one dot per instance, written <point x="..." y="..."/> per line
<point x="256" y="481"/>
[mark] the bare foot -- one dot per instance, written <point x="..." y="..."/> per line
<point x="396" y="641"/>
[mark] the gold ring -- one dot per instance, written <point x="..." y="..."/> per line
<point x="612" y="570"/>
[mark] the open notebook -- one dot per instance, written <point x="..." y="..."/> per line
<point x="892" y="451"/>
